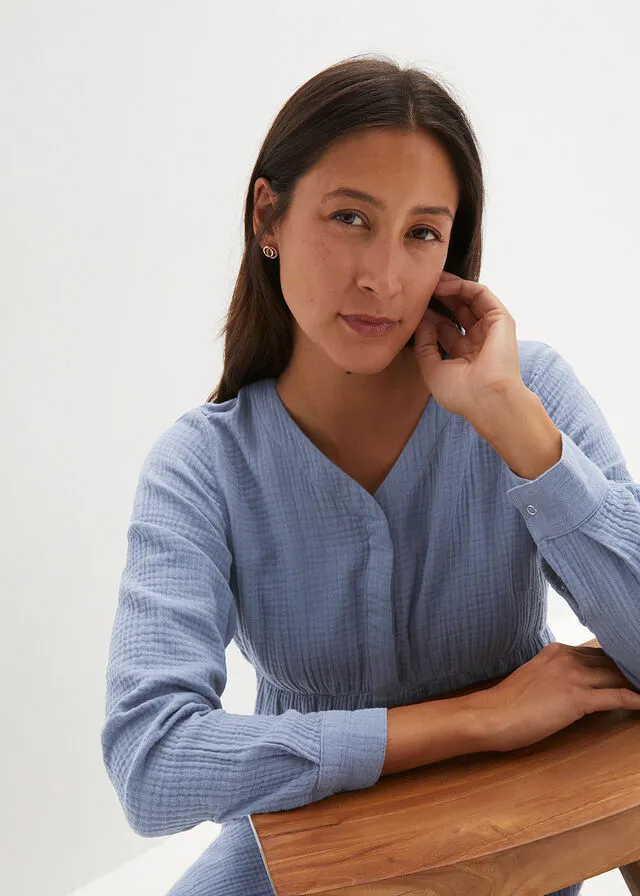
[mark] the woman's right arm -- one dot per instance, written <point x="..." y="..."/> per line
<point x="174" y="756"/>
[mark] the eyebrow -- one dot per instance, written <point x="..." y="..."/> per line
<point x="443" y="210"/>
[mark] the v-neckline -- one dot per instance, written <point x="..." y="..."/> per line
<point x="323" y="471"/>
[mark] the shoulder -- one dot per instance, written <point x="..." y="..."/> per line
<point x="535" y="357"/>
<point x="549" y="374"/>
<point x="187" y="437"/>
<point x="208" y="436"/>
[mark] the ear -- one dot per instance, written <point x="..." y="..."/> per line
<point x="263" y="198"/>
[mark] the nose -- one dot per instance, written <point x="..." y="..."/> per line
<point x="381" y="272"/>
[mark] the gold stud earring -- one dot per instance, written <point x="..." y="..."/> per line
<point x="270" y="252"/>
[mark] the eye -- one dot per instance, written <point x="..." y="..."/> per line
<point x="437" y="236"/>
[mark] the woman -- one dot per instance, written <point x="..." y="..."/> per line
<point x="371" y="512"/>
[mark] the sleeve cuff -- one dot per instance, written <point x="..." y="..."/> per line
<point x="562" y="497"/>
<point x="354" y="744"/>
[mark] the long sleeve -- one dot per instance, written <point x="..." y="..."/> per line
<point x="584" y="515"/>
<point x="174" y="756"/>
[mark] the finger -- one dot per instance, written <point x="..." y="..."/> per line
<point x="450" y="338"/>
<point x="475" y="295"/>
<point x="589" y="651"/>
<point x="467" y="319"/>
<point x="440" y="308"/>
<point x="594" y="656"/>
<point x="459" y="309"/>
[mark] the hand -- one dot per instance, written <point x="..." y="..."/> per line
<point x="483" y="362"/>
<point x="560" y="685"/>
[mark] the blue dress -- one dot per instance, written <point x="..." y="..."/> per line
<point x="345" y="603"/>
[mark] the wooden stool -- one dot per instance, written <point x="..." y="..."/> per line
<point x="528" y="821"/>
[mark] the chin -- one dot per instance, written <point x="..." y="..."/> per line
<point x="368" y="371"/>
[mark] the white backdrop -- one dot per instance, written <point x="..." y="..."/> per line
<point x="129" y="131"/>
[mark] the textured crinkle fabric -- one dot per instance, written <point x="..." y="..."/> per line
<point x="345" y="603"/>
<point x="231" y="865"/>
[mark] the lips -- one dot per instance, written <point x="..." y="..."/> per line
<point x="369" y="320"/>
<point x="366" y="328"/>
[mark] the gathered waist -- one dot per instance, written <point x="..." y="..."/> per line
<point x="274" y="698"/>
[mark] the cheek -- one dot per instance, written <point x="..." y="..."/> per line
<point x="327" y="256"/>
<point x="315" y="261"/>
<point x="324" y="274"/>
<point x="326" y="248"/>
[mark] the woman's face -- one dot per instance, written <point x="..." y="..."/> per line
<point x="343" y="255"/>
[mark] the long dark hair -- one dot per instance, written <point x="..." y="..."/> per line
<point x="350" y="96"/>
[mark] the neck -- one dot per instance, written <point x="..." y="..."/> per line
<point x="336" y="404"/>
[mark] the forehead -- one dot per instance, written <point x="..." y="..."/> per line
<point x="389" y="162"/>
